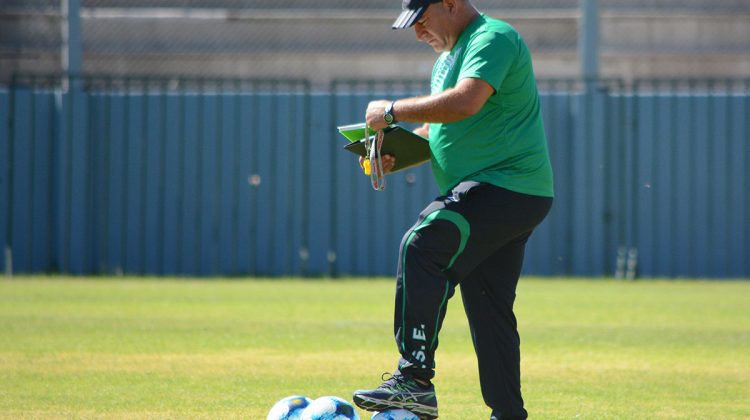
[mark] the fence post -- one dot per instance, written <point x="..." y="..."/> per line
<point x="71" y="37"/>
<point x="588" y="44"/>
<point x="8" y="262"/>
<point x="10" y="180"/>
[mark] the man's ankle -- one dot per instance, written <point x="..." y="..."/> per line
<point x="424" y="382"/>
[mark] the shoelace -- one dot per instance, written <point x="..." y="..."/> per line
<point x="390" y="380"/>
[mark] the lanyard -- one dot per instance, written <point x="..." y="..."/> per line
<point x="372" y="151"/>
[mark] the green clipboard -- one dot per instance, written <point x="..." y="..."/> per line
<point x="354" y="132"/>
<point x="408" y="148"/>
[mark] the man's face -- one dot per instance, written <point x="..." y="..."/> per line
<point x="432" y="28"/>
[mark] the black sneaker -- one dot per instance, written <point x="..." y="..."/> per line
<point x="399" y="391"/>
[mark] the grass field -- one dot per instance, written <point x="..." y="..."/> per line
<point x="168" y="348"/>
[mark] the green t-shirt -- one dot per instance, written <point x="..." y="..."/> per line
<point x="504" y="144"/>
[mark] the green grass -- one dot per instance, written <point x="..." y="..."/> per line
<point x="168" y="348"/>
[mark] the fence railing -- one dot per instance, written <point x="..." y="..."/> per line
<point x="248" y="177"/>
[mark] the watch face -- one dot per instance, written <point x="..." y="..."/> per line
<point x="388" y="115"/>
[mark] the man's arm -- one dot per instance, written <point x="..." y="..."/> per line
<point x="454" y="104"/>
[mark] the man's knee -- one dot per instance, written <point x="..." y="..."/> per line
<point x="435" y="244"/>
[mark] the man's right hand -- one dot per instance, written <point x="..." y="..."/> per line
<point x="389" y="161"/>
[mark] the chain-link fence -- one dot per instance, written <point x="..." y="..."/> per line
<point x="333" y="39"/>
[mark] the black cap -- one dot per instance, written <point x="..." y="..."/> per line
<point x="411" y="11"/>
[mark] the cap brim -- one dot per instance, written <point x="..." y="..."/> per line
<point x="408" y="18"/>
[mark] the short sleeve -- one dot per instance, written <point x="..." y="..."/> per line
<point x="489" y="56"/>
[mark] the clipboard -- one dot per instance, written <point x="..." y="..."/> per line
<point x="408" y="148"/>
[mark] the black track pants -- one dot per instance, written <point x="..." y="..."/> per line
<point x="474" y="237"/>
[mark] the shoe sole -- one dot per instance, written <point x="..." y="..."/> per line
<point x="425" y="412"/>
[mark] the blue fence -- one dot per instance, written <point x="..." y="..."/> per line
<point x="249" y="177"/>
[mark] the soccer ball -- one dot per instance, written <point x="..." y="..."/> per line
<point x="289" y="408"/>
<point x="329" y="408"/>
<point x="397" y="414"/>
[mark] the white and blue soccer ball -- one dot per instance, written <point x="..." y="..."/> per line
<point x="289" y="408"/>
<point x="396" y="414"/>
<point x="330" y="408"/>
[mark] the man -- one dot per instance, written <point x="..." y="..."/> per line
<point x="490" y="161"/>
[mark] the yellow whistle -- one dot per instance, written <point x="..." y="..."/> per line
<point x="366" y="166"/>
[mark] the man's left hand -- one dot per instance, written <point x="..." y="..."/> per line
<point x="374" y="114"/>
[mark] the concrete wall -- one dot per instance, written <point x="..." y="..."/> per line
<point x="325" y="44"/>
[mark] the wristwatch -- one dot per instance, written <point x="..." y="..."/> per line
<point x="388" y="117"/>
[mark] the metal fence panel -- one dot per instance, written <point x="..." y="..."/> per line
<point x="28" y="175"/>
<point x="234" y="179"/>
<point x="689" y="190"/>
